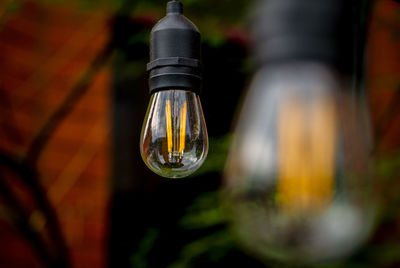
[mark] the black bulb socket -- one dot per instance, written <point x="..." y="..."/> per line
<point x="175" y="53"/>
<point x="291" y="30"/>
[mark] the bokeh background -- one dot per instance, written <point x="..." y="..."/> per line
<point x="74" y="191"/>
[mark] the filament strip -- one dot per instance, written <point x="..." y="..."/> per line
<point x="183" y="128"/>
<point x="169" y="125"/>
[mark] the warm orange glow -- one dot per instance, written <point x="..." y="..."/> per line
<point x="169" y="125"/>
<point x="182" y="128"/>
<point x="176" y="143"/>
<point x="306" y="147"/>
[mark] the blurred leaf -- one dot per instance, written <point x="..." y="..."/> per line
<point x="387" y="254"/>
<point x="141" y="37"/>
<point x="387" y="167"/>
<point x="139" y="258"/>
<point x="214" y="246"/>
<point x="203" y="213"/>
<point x="13" y="6"/>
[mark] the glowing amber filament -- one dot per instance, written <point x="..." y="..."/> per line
<point x="169" y="125"/>
<point x="176" y="131"/>
<point x="183" y="129"/>
<point x="306" y="144"/>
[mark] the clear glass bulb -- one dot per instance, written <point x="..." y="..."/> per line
<point x="174" y="140"/>
<point x="297" y="181"/>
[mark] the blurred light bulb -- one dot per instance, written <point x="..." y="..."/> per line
<point x="297" y="181"/>
<point x="174" y="141"/>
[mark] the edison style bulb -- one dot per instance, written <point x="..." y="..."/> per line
<point x="297" y="182"/>
<point x="174" y="140"/>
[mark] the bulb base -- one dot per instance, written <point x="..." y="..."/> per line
<point x="175" y="53"/>
<point x="285" y="30"/>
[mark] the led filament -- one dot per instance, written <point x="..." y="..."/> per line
<point x="306" y="156"/>
<point x="175" y="134"/>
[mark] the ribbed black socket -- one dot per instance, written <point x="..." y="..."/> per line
<point x="287" y="30"/>
<point x="175" y="53"/>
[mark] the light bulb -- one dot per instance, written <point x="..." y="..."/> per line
<point x="297" y="181"/>
<point x="174" y="141"/>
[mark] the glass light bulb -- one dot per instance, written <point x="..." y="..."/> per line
<point x="174" y="140"/>
<point x="297" y="181"/>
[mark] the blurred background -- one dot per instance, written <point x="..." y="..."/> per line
<point x="74" y="191"/>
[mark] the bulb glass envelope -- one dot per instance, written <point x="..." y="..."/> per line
<point x="174" y="141"/>
<point x="297" y="182"/>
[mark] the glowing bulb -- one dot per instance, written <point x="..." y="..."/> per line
<point x="297" y="182"/>
<point x="174" y="140"/>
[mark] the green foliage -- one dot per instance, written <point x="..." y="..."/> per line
<point x="388" y="166"/>
<point x="206" y="215"/>
<point x="139" y="258"/>
<point x="12" y="6"/>
<point x="212" y="248"/>
<point x="205" y="212"/>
